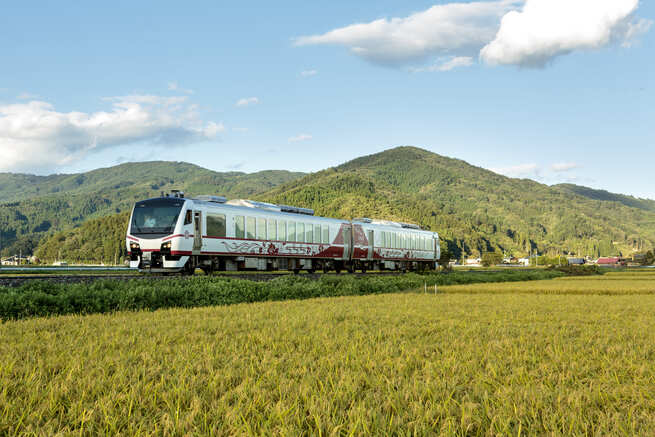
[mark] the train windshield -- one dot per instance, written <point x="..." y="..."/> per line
<point x="156" y="216"/>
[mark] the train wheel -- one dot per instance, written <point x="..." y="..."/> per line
<point x="310" y="271"/>
<point x="363" y="269"/>
<point x="337" y="269"/>
<point x="296" y="271"/>
<point x="325" y="268"/>
<point x="189" y="269"/>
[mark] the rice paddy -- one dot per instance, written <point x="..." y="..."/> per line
<point x="569" y="356"/>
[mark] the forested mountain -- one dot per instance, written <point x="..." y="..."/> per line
<point x="473" y="209"/>
<point x="590" y="193"/>
<point x="100" y="240"/>
<point x="476" y="210"/>
<point x="34" y="206"/>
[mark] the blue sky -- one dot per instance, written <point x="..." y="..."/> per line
<point x="256" y="85"/>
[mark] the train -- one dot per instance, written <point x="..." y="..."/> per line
<point x="176" y="234"/>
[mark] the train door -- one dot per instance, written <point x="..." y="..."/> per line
<point x="371" y="242"/>
<point x="437" y="249"/>
<point x="197" y="232"/>
<point x="347" y="242"/>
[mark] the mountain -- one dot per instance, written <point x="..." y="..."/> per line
<point x="473" y="209"/>
<point x="590" y="193"/>
<point x="34" y="206"/>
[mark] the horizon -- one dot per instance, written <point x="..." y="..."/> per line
<point x="303" y="87"/>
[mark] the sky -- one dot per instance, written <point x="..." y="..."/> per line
<point x="552" y="90"/>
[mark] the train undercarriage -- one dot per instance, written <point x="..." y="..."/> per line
<point x="157" y="262"/>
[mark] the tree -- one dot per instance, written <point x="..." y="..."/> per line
<point x="444" y="261"/>
<point x="491" y="259"/>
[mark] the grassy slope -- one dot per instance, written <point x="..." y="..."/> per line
<point x="455" y="364"/>
<point x="474" y="209"/>
<point x="62" y="201"/>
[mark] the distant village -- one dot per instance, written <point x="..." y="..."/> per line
<point x="635" y="260"/>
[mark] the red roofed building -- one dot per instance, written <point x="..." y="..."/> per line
<point x="609" y="261"/>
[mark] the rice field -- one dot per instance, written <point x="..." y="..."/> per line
<point x="518" y="359"/>
<point x="613" y="283"/>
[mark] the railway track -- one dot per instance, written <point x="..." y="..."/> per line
<point x="18" y="280"/>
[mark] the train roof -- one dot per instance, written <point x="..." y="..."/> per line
<point x="250" y="207"/>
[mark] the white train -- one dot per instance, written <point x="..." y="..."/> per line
<point x="176" y="234"/>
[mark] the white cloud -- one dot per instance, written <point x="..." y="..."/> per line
<point x="564" y="166"/>
<point x="173" y="86"/>
<point x="455" y="29"/>
<point x="451" y="64"/>
<point x="35" y="136"/>
<point x="247" y="101"/>
<point x="517" y="171"/>
<point x="545" y="29"/>
<point x="635" y="29"/>
<point x="308" y="73"/>
<point x="240" y="129"/>
<point x="300" y="137"/>
<point x="27" y="96"/>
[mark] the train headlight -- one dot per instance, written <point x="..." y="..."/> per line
<point x="134" y="246"/>
<point x="166" y="246"/>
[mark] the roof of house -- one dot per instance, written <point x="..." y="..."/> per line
<point x="608" y="260"/>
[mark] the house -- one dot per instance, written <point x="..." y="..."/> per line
<point x="15" y="260"/>
<point x="609" y="261"/>
<point x="524" y="262"/>
<point x="473" y="262"/>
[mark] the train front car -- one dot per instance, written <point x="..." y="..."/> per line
<point x="151" y="240"/>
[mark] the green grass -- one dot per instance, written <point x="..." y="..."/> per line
<point x="43" y="298"/>
<point x="403" y="363"/>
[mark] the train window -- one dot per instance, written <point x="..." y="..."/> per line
<point x="291" y="236"/>
<point x="308" y="233"/>
<point x="250" y="228"/>
<point x="326" y="234"/>
<point x="388" y="239"/>
<point x="188" y="217"/>
<point x="261" y="229"/>
<point x="216" y="225"/>
<point x="300" y="232"/>
<point x="239" y="226"/>
<point x="317" y="233"/>
<point x="272" y="229"/>
<point x="282" y="230"/>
